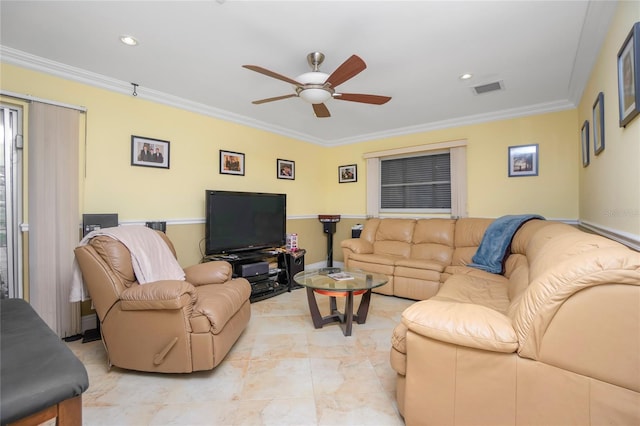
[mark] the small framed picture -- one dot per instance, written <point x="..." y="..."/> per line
<point x="286" y="169"/>
<point x="629" y="76"/>
<point x="598" y="124"/>
<point x="231" y="163"/>
<point x="523" y="160"/>
<point x="584" y="143"/>
<point x="148" y="152"/>
<point x="348" y="173"/>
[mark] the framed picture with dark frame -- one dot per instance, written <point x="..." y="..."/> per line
<point x="286" y="169"/>
<point x="629" y="76"/>
<point x="598" y="124"/>
<point x="231" y="163"/>
<point x="348" y="173"/>
<point x="523" y="160"/>
<point x="149" y="152"/>
<point x="584" y="143"/>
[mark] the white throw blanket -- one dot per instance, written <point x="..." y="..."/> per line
<point x="151" y="258"/>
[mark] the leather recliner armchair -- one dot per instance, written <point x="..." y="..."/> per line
<point x="168" y="326"/>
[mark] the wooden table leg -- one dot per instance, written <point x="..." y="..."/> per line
<point x="313" y="308"/>
<point x="348" y="314"/>
<point x="333" y="305"/>
<point x="363" y="309"/>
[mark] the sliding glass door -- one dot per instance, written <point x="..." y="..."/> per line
<point x="10" y="202"/>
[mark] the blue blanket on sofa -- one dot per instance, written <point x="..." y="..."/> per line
<point x="497" y="240"/>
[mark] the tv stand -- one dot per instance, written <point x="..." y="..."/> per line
<point x="267" y="282"/>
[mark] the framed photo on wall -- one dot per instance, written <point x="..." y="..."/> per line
<point x="149" y="152"/>
<point x="629" y="76"/>
<point x="231" y="163"/>
<point x="598" y="124"/>
<point x="286" y="169"/>
<point x="584" y="143"/>
<point x="348" y="173"/>
<point x="523" y="160"/>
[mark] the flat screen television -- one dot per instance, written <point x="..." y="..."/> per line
<point x="241" y="221"/>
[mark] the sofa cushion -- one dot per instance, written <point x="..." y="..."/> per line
<point x="378" y="259"/>
<point x="477" y="289"/>
<point x="463" y="324"/>
<point x="398" y="357"/>
<point x="421" y="265"/>
<point x="220" y="302"/>
<point x="417" y="273"/>
<point x="395" y="230"/>
<point x="433" y="240"/>
<point x="117" y="256"/>
<point x="392" y="248"/>
<point x="434" y="231"/>
<point x="468" y="235"/>
<point x="432" y="252"/>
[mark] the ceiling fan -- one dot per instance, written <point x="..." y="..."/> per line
<point x="317" y="87"/>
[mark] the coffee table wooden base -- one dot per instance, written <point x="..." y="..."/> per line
<point x="345" y="317"/>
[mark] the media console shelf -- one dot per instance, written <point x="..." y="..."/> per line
<point x="270" y="272"/>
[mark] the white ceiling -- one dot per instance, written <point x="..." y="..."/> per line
<point x="191" y="52"/>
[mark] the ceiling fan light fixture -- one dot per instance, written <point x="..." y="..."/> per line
<point x="315" y="96"/>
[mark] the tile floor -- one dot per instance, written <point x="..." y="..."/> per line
<point x="280" y="372"/>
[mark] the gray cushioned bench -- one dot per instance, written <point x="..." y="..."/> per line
<point x="40" y="378"/>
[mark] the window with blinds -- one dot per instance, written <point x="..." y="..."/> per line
<point x="416" y="183"/>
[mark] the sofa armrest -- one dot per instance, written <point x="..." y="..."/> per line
<point x="357" y="245"/>
<point x="216" y="272"/>
<point x="463" y="324"/>
<point x="166" y="294"/>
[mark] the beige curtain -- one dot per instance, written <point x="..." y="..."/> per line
<point x="53" y="147"/>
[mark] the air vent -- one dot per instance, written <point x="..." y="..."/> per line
<point x="489" y="87"/>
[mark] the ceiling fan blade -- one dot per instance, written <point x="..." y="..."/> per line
<point x="277" y="98"/>
<point x="366" y="99"/>
<point x="271" y="74"/>
<point x="321" y="110"/>
<point x="349" y="68"/>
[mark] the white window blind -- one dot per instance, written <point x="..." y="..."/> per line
<point x="417" y="183"/>
<point x="415" y="178"/>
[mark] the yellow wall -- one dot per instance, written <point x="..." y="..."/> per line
<point x="491" y="193"/>
<point x="139" y="193"/>
<point x="111" y="184"/>
<point x="609" y="187"/>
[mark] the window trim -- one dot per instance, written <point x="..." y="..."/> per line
<point x="458" y="158"/>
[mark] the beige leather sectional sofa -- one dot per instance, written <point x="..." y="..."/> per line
<point x="553" y="340"/>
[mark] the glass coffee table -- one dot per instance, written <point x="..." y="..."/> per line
<point x="339" y="282"/>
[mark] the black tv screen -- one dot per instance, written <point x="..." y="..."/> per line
<point x="239" y="221"/>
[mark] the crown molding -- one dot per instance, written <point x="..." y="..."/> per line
<point x="36" y="63"/>
<point x="464" y="121"/>
<point x="597" y="20"/>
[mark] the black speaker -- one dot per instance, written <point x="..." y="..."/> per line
<point x="158" y="226"/>
<point x="93" y="222"/>
<point x="252" y="269"/>
<point x="329" y="227"/>
<point x="290" y="264"/>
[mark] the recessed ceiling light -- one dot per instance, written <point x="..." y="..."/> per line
<point x="466" y="76"/>
<point x="129" y="40"/>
